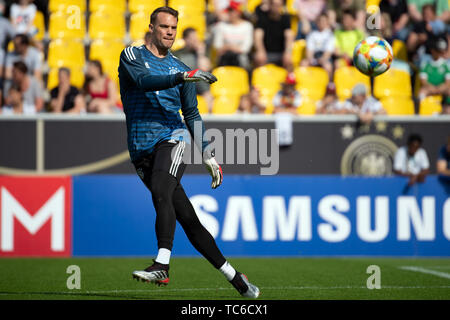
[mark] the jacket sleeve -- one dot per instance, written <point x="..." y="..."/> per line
<point x="192" y="117"/>
<point x="132" y="66"/>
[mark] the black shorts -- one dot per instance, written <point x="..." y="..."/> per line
<point x="167" y="156"/>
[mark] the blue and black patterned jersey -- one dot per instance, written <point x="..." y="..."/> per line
<point x="153" y="92"/>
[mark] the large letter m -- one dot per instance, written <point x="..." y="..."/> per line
<point x="52" y="209"/>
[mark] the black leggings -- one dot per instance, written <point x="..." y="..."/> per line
<point x="171" y="204"/>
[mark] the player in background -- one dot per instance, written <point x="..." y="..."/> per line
<point x="154" y="85"/>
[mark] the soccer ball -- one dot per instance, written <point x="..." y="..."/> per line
<point x="373" y="56"/>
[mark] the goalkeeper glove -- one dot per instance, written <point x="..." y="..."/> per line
<point x="214" y="170"/>
<point x="199" y="75"/>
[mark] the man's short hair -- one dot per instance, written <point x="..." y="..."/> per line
<point x="187" y="32"/>
<point x="165" y="9"/>
<point x="64" y="69"/>
<point x="429" y="6"/>
<point x="21" y="66"/>
<point x="23" y="38"/>
<point x="413" y="138"/>
<point x="359" y="89"/>
<point x="349" y="12"/>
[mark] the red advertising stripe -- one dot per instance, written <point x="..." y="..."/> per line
<point x="35" y="216"/>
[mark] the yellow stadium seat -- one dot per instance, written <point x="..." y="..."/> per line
<point x="307" y="107"/>
<point x="226" y="104"/>
<point x="290" y="7"/>
<point x="68" y="53"/>
<point x="231" y="81"/>
<point x="202" y="105"/>
<point x="431" y="105"/>
<point x="400" y="50"/>
<point x="370" y="3"/>
<point x="177" y="45"/>
<point x="394" y="82"/>
<point x="267" y="101"/>
<point x="145" y="6"/>
<point x="185" y="6"/>
<point x="101" y="5"/>
<point x="398" y="106"/>
<point x="62" y="5"/>
<point x="294" y="24"/>
<point x="76" y="78"/>
<point x="268" y="78"/>
<point x="107" y="25"/>
<point x="139" y="25"/>
<point x="111" y="71"/>
<point x="311" y="82"/>
<point x="106" y="51"/>
<point x="346" y="78"/>
<point x="251" y="5"/>
<point x="298" y="52"/>
<point x="40" y="25"/>
<point x="192" y="20"/>
<point x="71" y="26"/>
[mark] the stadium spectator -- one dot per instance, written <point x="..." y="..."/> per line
<point x="308" y="12"/>
<point x="365" y="107"/>
<point x="233" y="39"/>
<point x="415" y="9"/>
<point x="30" y="88"/>
<point x="320" y="46"/>
<point x="435" y="73"/>
<point x="193" y="55"/>
<point x="274" y="37"/>
<point x="13" y="101"/>
<point x="24" y="51"/>
<point x="22" y="14"/>
<point x="347" y="38"/>
<point x="101" y="92"/>
<point x="288" y="99"/>
<point x="330" y="102"/>
<point x="425" y="32"/>
<point x="7" y="32"/>
<point x="261" y="10"/>
<point x="251" y="102"/>
<point x="221" y="7"/>
<point x="65" y="97"/>
<point x="337" y="8"/>
<point x="412" y="161"/>
<point x="443" y="161"/>
<point x="398" y="14"/>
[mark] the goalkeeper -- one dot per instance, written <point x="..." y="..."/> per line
<point x="154" y="85"/>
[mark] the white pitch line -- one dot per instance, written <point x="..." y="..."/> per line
<point x="151" y="290"/>
<point x="428" y="271"/>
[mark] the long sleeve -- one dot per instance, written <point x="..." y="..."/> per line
<point x="192" y="117"/>
<point x="132" y="66"/>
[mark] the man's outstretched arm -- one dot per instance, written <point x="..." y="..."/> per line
<point x="132" y="66"/>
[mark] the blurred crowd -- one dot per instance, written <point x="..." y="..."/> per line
<point x="249" y="35"/>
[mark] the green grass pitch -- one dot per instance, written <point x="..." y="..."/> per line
<point x="195" y="278"/>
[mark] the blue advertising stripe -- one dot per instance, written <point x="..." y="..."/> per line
<point x="270" y="216"/>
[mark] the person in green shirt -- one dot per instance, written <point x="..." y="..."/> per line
<point x="415" y="9"/>
<point x="347" y="38"/>
<point x="435" y="73"/>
